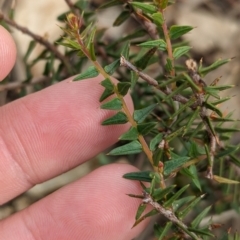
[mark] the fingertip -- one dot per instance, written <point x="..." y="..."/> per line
<point x="7" y="53"/>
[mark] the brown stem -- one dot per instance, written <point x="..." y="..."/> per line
<point x="169" y="45"/>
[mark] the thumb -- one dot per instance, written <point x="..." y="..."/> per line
<point x="7" y="53"/>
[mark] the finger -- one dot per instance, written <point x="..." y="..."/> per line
<point x="94" y="207"/>
<point x="50" y="132"/>
<point x="7" y="53"/>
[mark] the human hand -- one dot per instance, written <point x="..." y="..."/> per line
<point x="47" y="133"/>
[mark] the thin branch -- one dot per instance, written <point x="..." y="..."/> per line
<point x="169" y="214"/>
<point x="152" y="81"/>
<point x="192" y="71"/>
<point x="15" y="85"/>
<point x="38" y="39"/>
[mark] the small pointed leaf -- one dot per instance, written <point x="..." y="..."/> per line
<point x="158" y="19"/>
<point x="142" y="63"/>
<point x="125" y="50"/>
<point x="177" y="31"/>
<point x="145" y="128"/>
<point x="131" y="134"/>
<point x="181" y="202"/>
<point x="123" y="87"/>
<point x="189" y="207"/>
<point x="114" y="104"/>
<point x="134" y="79"/>
<point x="169" y="202"/>
<point x="141" y="114"/>
<point x="145" y="7"/>
<point x="129" y="148"/>
<point x="89" y="73"/>
<point x="106" y="94"/>
<point x="140" y="210"/>
<point x="139" y="176"/>
<point x="119" y="118"/>
<point x="178" y="52"/>
<point x="159" y="43"/>
<point x="200" y="217"/>
<point x="107" y="84"/>
<point x="213" y="108"/>
<point x="163" y="232"/>
<point x="224" y="180"/>
<point x="111" y="68"/>
<point x="149" y="214"/>
<point x="122" y="17"/>
<point x="155" y="141"/>
<point x="172" y="165"/>
<point x="205" y="70"/>
<point x="159" y="194"/>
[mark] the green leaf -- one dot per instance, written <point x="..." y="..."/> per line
<point x="91" y="72"/>
<point x="218" y="88"/>
<point x="181" y="202"/>
<point x="205" y="70"/>
<point x="226" y="130"/>
<point x="119" y="118"/>
<point x="142" y="63"/>
<point x="111" y="68"/>
<point x="110" y="4"/>
<point x="149" y="214"/>
<point x="70" y="44"/>
<point x="141" y="114"/>
<point x="189" y="207"/>
<point x="159" y="194"/>
<point x="131" y="134"/>
<point x="204" y="232"/>
<point x="221" y="100"/>
<point x="140" y="210"/>
<point x="183" y="108"/>
<point x="224" y="180"/>
<point x="191" y="120"/>
<point x="163" y="232"/>
<point x="234" y="159"/>
<point x="125" y="50"/>
<point x="145" y="128"/>
<point x="172" y="165"/>
<point x="107" y="84"/>
<point x="114" y="104"/>
<point x="176" y="195"/>
<point x="173" y="135"/>
<point x="155" y="141"/>
<point x="139" y="176"/>
<point x="31" y="46"/>
<point x="163" y="4"/>
<point x="129" y="148"/>
<point x="177" y="31"/>
<point x="134" y="79"/>
<point x="145" y="7"/>
<point x="178" y="52"/>
<point x="122" y="17"/>
<point x="90" y="43"/>
<point x="212" y="107"/>
<point x="200" y="217"/>
<point x="168" y="65"/>
<point x="195" y="179"/>
<point x="159" y="43"/>
<point x="158" y="19"/>
<point x="157" y="156"/>
<point x="123" y="87"/>
<point x="106" y="94"/>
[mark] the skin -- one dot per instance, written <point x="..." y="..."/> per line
<point x="47" y="133"/>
